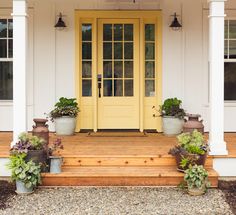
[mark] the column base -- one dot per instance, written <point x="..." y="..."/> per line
<point x="218" y="148"/>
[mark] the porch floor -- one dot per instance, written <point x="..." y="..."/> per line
<point x="123" y="161"/>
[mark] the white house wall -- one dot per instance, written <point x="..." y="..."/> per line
<point x="52" y="54"/>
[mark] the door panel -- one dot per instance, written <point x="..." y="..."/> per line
<point x="118" y="68"/>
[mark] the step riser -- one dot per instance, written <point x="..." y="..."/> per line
<point x="118" y="181"/>
<point x="121" y="161"/>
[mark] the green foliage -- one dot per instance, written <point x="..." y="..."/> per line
<point x="26" y="172"/>
<point x="196" y="177"/>
<point x="65" y="107"/>
<point x="28" y="142"/>
<point x="171" y="107"/>
<point x="185" y="161"/>
<point x="193" y="142"/>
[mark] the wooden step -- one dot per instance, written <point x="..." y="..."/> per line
<point x="119" y="176"/>
<point x="116" y="160"/>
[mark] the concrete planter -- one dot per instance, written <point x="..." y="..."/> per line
<point x="197" y="191"/>
<point x="65" y="125"/>
<point x="172" y="125"/>
<point x="22" y="189"/>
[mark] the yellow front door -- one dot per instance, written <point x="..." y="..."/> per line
<point x="118" y="74"/>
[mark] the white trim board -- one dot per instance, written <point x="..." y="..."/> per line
<point x="225" y="166"/>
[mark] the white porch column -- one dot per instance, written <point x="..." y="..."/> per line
<point x="19" y="67"/>
<point x="216" y="58"/>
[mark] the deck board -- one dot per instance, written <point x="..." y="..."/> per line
<point x="82" y="145"/>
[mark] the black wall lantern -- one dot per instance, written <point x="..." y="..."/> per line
<point x="60" y="23"/>
<point x="175" y="25"/>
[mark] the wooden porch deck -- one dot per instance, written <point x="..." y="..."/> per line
<point x="123" y="161"/>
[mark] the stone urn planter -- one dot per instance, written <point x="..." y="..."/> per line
<point x="65" y="125"/>
<point x="172" y="116"/>
<point x="172" y="126"/>
<point x="64" y="115"/>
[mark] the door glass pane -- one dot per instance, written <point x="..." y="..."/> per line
<point x="150" y="32"/>
<point x="118" y="51"/>
<point x="107" y="32"/>
<point x="118" y="69"/>
<point x="10" y="28"/>
<point x="118" y="88"/>
<point x="118" y="32"/>
<point x="107" y="69"/>
<point x="230" y="81"/>
<point x="128" y="87"/>
<point x="232" y="29"/>
<point x="107" y="50"/>
<point x="6" y="81"/>
<point x="150" y="51"/>
<point x="128" y="50"/>
<point x="3" y="48"/>
<point x="226" y="28"/>
<point x="226" y="49"/>
<point x="149" y="88"/>
<point x="3" y="28"/>
<point x="87" y="50"/>
<point x="128" y="32"/>
<point x="232" y="49"/>
<point x="86" y="87"/>
<point x="86" y="69"/>
<point x="129" y="69"/>
<point x="87" y="32"/>
<point x="107" y="88"/>
<point x="150" y="69"/>
<point x="10" y="48"/>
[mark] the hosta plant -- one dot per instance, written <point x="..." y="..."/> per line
<point x="26" y="172"/>
<point x="196" y="177"/>
<point x="65" y="107"/>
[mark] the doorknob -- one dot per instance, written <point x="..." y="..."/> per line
<point x="99" y="85"/>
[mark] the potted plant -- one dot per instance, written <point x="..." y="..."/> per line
<point x="34" y="147"/>
<point x="64" y="114"/>
<point x="196" y="178"/>
<point x="55" y="160"/>
<point x="173" y="116"/>
<point x="25" y="174"/>
<point x="191" y="149"/>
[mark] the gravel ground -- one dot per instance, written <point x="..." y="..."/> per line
<point x="118" y="201"/>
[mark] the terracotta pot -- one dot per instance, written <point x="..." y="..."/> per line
<point x="192" y="123"/>
<point x="41" y="129"/>
<point x="196" y="159"/>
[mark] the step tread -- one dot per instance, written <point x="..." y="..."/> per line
<point x="122" y="172"/>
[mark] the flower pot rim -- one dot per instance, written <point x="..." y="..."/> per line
<point x="173" y="117"/>
<point x="40" y="120"/>
<point x="65" y="117"/>
<point x="55" y="156"/>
